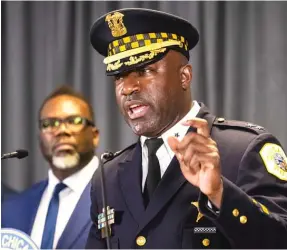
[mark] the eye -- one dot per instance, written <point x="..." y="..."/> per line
<point x="145" y="71"/>
<point x="142" y="72"/>
<point x="118" y="78"/>
<point x="77" y="120"/>
<point x="46" y="124"/>
<point x="55" y="123"/>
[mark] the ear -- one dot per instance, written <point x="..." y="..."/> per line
<point x="186" y="76"/>
<point x="96" y="136"/>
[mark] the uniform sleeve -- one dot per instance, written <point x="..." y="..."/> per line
<point x="253" y="212"/>
<point x="94" y="240"/>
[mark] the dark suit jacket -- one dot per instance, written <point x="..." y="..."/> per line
<point x="20" y="212"/>
<point x="169" y="221"/>
<point x="6" y="192"/>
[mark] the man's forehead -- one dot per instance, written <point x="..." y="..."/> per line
<point x="65" y="104"/>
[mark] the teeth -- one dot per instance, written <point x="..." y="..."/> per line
<point x="134" y="106"/>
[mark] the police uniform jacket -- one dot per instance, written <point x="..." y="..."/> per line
<point x="253" y="212"/>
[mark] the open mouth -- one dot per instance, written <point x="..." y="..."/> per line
<point x="136" y="111"/>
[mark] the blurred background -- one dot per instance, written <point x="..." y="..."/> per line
<point x="239" y="65"/>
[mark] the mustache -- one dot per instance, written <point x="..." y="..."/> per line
<point x="134" y="97"/>
<point x="64" y="139"/>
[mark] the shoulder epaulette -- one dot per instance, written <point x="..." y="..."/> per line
<point x="222" y="122"/>
<point x="123" y="150"/>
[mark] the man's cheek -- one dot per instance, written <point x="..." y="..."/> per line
<point x="48" y="145"/>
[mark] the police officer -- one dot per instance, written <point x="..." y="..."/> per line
<point x="192" y="180"/>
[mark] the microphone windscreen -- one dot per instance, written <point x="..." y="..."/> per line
<point x="22" y="153"/>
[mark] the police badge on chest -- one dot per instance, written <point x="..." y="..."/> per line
<point x="106" y="226"/>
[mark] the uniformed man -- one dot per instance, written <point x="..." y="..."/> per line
<point x="192" y="180"/>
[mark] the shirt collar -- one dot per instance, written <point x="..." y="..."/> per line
<point x="178" y="130"/>
<point x="77" y="181"/>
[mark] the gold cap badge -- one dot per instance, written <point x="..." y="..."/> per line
<point x="115" y="22"/>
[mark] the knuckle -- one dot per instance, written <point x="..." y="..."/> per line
<point x="185" y="159"/>
<point x="189" y="135"/>
<point x="211" y="148"/>
<point x="204" y="122"/>
<point x="213" y="142"/>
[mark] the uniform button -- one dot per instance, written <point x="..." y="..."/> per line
<point x="206" y="242"/>
<point x="243" y="219"/>
<point x="220" y="119"/>
<point x="141" y="240"/>
<point x="235" y="212"/>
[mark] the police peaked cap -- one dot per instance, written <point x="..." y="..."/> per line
<point x="134" y="37"/>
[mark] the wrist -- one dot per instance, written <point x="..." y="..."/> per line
<point x="216" y="196"/>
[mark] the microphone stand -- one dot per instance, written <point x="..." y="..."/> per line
<point x="105" y="156"/>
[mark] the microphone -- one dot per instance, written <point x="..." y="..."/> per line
<point x="105" y="157"/>
<point x="20" y="153"/>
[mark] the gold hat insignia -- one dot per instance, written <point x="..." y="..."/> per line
<point x="115" y="22"/>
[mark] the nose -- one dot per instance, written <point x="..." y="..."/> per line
<point x="130" y="85"/>
<point x="62" y="129"/>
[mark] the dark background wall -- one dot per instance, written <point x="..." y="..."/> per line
<point x="239" y="69"/>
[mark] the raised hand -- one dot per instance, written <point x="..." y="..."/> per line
<point x="199" y="160"/>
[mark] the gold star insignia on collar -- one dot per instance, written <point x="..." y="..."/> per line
<point x="199" y="215"/>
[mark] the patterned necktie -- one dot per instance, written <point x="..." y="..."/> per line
<point x="153" y="176"/>
<point x="51" y="218"/>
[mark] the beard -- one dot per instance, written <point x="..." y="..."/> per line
<point x="67" y="161"/>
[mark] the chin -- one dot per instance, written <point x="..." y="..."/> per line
<point x="144" y="128"/>
<point x="66" y="161"/>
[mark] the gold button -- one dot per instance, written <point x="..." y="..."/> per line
<point x="206" y="242"/>
<point x="235" y="212"/>
<point x="243" y="219"/>
<point x="141" y="241"/>
<point x="220" y="119"/>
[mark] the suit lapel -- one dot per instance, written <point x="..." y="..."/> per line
<point x="78" y="221"/>
<point x="32" y="203"/>
<point x="130" y="175"/>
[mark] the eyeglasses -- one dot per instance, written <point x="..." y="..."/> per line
<point x="72" y="123"/>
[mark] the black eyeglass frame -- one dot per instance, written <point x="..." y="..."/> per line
<point x="85" y="121"/>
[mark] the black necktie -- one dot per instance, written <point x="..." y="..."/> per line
<point x="153" y="176"/>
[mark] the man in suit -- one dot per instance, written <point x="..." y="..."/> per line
<point x="6" y="192"/>
<point x="55" y="212"/>
<point x="192" y="180"/>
